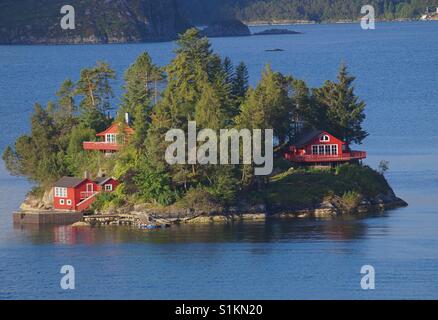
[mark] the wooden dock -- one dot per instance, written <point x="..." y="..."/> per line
<point x="47" y="217"/>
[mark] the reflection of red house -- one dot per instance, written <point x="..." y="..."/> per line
<point x="321" y="148"/>
<point x="75" y="194"/>
<point x="111" y="140"/>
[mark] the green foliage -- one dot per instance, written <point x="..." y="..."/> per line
<point x="103" y="200"/>
<point x="350" y="200"/>
<point x="343" y="112"/>
<point x="204" y="12"/>
<point x="301" y="188"/>
<point x="201" y="200"/>
<point x="199" y="86"/>
<point x="141" y="92"/>
<point x="383" y="167"/>
<point x="153" y="186"/>
<point x="267" y="106"/>
<point x="95" y="90"/>
<point x="240" y="81"/>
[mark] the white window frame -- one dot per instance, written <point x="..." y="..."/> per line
<point x="89" y="187"/>
<point x="111" y="138"/>
<point x="325" y="149"/>
<point x="62" y="202"/>
<point x="324" y="138"/>
<point x="60" y="192"/>
<point x="321" y="149"/>
<point x="108" y="187"/>
<point x="69" y="202"/>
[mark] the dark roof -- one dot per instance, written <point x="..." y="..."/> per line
<point x="68" y="182"/>
<point x="305" y="137"/>
<point x="101" y="180"/>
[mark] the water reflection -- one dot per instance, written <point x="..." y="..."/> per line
<point x="336" y="229"/>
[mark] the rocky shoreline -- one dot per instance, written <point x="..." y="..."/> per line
<point x="143" y="214"/>
<point x="327" y="209"/>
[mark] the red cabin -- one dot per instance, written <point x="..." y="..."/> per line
<point x="109" y="139"/>
<point x="75" y="194"/>
<point x="321" y="148"/>
<point x="106" y="184"/>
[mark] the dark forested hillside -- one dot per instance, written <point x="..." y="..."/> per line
<point x="204" y="11"/>
<point x="97" y="21"/>
<point x="103" y="21"/>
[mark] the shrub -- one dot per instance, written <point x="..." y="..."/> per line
<point x="102" y="201"/>
<point x="351" y="200"/>
<point x="201" y="200"/>
<point x="154" y="186"/>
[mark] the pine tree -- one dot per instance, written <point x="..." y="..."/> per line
<point x="95" y="89"/>
<point x="228" y="70"/>
<point x="240" y="82"/>
<point x="141" y="92"/>
<point x="344" y="112"/>
<point x="66" y="98"/>
<point x="305" y="112"/>
<point x="209" y="111"/>
<point x="268" y="105"/>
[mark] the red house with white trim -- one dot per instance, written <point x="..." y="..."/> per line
<point x="106" y="184"/>
<point x="75" y="194"/>
<point x="316" y="147"/>
<point x="110" y="140"/>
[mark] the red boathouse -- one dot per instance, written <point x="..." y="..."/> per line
<point x="75" y="194"/>
<point x="321" y="148"/>
<point x="110" y="139"/>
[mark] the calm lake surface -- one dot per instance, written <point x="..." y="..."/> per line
<point x="397" y="69"/>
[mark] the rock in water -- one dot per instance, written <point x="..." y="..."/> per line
<point x="96" y="21"/>
<point x="227" y="28"/>
<point x="275" y="32"/>
<point x="80" y="224"/>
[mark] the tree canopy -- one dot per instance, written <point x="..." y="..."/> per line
<point x="198" y="85"/>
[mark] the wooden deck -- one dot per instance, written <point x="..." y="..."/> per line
<point x="101" y="146"/>
<point x="312" y="158"/>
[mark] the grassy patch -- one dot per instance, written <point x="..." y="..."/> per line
<point x="308" y="187"/>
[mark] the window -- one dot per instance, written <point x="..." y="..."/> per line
<point x="90" y="187"/>
<point x="108" y="187"/>
<point x="111" y="138"/>
<point x="325" y="150"/>
<point x="60" y="192"/>
<point x="324" y="138"/>
<point x="61" y="202"/>
<point x="69" y="202"/>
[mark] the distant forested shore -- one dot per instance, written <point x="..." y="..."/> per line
<point x="28" y="22"/>
<point x="293" y="11"/>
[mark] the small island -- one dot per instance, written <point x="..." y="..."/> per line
<point x="275" y="32"/>
<point x="226" y="28"/>
<point x="95" y="170"/>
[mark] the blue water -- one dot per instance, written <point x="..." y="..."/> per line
<point x="396" y="67"/>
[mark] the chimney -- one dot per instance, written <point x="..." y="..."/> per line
<point x="86" y="175"/>
<point x="127" y="118"/>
